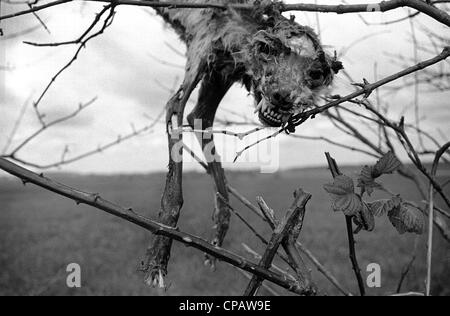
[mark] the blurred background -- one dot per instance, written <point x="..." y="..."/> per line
<point x="131" y="70"/>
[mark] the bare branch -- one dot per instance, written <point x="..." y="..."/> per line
<point x="100" y="149"/>
<point x="421" y="6"/>
<point x="131" y="216"/>
<point x="45" y="126"/>
<point x="82" y="44"/>
<point x="434" y="169"/>
<point x="332" y="142"/>
<point x="16" y="125"/>
<point x="408" y="267"/>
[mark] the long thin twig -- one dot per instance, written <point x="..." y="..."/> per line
<point x="367" y="88"/>
<point x="408" y="267"/>
<point x="100" y="149"/>
<point x="321" y="268"/>
<point x="82" y="42"/>
<point x="41" y="22"/>
<point x="334" y="169"/>
<point x="45" y="126"/>
<point x="210" y="132"/>
<point x="430" y="240"/>
<point x="409" y="148"/>
<point x="16" y="125"/>
<point x="434" y="169"/>
<point x="335" y="143"/>
<point x="421" y="6"/>
<point x="288" y="259"/>
<point x="416" y="82"/>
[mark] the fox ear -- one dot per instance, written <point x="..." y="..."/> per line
<point x="321" y="56"/>
<point x="337" y="66"/>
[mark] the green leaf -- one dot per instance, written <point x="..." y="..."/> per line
<point x="386" y="165"/>
<point x="407" y="220"/>
<point x="383" y="207"/>
<point x="343" y="196"/>
<point x="365" y="219"/>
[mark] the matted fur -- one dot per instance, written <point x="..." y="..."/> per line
<point x="280" y="61"/>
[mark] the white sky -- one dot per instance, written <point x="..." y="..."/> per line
<point x="122" y="69"/>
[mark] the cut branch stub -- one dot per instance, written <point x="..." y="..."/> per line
<point x="287" y="229"/>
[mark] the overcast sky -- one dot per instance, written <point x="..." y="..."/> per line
<point x="126" y="68"/>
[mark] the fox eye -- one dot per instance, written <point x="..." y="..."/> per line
<point x="316" y="74"/>
<point x="264" y="48"/>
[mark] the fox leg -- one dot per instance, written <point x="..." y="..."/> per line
<point x="212" y="91"/>
<point x="158" y="254"/>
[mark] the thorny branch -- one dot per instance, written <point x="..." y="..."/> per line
<point x="421" y="6"/>
<point x="434" y="169"/>
<point x="17" y="124"/>
<point x="410" y="149"/>
<point x="13" y="154"/>
<point x="100" y="149"/>
<point x="81" y="42"/>
<point x="45" y="126"/>
<point x="96" y="201"/>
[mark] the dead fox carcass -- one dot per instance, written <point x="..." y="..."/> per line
<point x="280" y="62"/>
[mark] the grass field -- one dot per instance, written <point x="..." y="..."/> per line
<point x="40" y="234"/>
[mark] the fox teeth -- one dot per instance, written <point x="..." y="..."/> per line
<point x="259" y="106"/>
<point x="272" y="117"/>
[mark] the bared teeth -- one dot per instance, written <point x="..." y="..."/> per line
<point x="274" y="117"/>
<point x="259" y="106"/>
